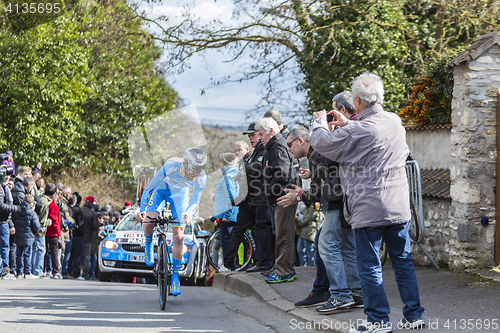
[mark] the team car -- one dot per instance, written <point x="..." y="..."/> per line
<point x="122" y="252"/>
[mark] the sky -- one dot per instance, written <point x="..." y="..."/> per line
<point x="226" y="105"/>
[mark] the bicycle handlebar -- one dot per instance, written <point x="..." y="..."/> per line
<point x="161" y="220"/>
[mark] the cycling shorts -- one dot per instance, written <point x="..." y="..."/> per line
<point x="156" y="200"/>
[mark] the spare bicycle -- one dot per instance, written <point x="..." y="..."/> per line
<point x="163" y="268"/>
<point x="245" y="253"/>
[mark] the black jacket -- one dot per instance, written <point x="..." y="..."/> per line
<point x="322" y="169"/>
<point x="78" y="216"/>
<point x="6" y="205"/>
<point x="90" y="223"/>
<point x="19" y="191"/>
<point x="27" y="225"/>
<point x="278" y="169"/>
<point x="255" y="181"/>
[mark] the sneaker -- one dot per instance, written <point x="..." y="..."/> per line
<point x="334" y="304"/>
<point x="358" y="302"/>
<point x="57" y="276"/>
<point x="149" y="254"/>
<point x="9" y="277"/>
<point x="80" y="278"/>
<point x="411" y="323"/>
<point x="368" y="327"/>
<point x="175" y="286"/>
<point x="278" y="279"/>
<point x="313" y="299"/>
<point x="226" y="269"/>
<point x="30" y="276"/>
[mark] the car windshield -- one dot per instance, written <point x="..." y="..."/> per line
<point x="129" y="223"/>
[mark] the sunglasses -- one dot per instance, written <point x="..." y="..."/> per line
<point x="289" y="144"/>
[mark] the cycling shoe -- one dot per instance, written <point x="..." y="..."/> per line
<point x="149" y="254"/>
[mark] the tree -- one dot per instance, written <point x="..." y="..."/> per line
<point x="324" y="44"/>
<point x="72" y="89"/>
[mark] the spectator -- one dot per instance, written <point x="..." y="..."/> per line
<point x="77" y="243"/>
<point x="279" y="120"/>
<point x="10" y="162"/>
<point x="90" y="227"/>
<point x="307" y="230"/>
<point x="53" y="231"/>
<point x="278" y="174"/>
<point x="372" y="153"/>
<point x="67" y="215"/>
<point x="254" y="212"/>
<point x="40" y="185"/>
<point x="27" y="225"/>
<point x="241" y="150"/>
<point x="115" y="218"/>
<point x="127" y="205"/>
<point x="38" y="251"/>
<point x="6" y="228"/>
<point x="225" y="192"/>
<point x="20" y="189"/>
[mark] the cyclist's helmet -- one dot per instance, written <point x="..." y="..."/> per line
<point x="195" y="160"/>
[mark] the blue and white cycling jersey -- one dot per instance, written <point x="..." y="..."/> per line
<point x="168" y="185"/>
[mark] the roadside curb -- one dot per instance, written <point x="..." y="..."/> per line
<point x="245" y="285"/>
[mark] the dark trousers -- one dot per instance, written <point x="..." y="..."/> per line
<point x="321" y="284"/>
<point x="258" y="219"/>
<point x="226" y="229"/>
<point x="12" y="255"/>
<point x="284" y="219"/>
<point x="76" y="256"/>
<point x="52" y="244"/>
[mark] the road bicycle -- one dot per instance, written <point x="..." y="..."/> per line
<point x="245" y="255"/>
<point x="163" y="268"/>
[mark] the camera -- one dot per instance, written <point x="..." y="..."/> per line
<point x="329" y="118"/>
<point x="5" y="170"/>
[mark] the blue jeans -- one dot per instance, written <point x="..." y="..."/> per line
<point x="370" y="271"/>
<point x="37" y="256"/>
<point x="321" y="282"/>
<point x="23" y="260"/>
<point x="67" y="256"/>
<point x="4" y="245"/>
<point x="338" y="252"/>
<point x="305" y="248"/>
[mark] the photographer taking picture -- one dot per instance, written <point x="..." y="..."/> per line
<point x="6" y="225"/>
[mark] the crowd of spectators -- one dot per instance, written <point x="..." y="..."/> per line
<point x="356" y="159"/>
<point x="44" y="233"/>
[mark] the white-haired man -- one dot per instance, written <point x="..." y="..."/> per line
<point x="372" y="153"/>
<point x="279" y="173"/>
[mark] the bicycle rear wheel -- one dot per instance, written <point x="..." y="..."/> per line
<point x="242" y="260"/>
<point x="162" y="271"/>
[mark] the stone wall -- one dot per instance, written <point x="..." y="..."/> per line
<point x="437" y="239"/>
<point x="473" y="165"/>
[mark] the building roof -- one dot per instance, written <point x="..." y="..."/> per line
<point x="435" y="182"/>
<point x="427" y="127"/>
<point x="479" y="46"/>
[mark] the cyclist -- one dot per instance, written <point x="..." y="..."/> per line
<point x="171" y="184"/>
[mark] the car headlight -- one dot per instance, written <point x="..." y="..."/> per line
<point x="110" y="245"/>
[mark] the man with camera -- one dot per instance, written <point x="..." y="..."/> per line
<point x="6" y="226"/>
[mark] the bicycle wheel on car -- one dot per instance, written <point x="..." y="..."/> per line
<point x="213" y="250"/>
<point x="162" y="272"/>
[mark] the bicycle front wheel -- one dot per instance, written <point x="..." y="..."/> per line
<point x="162" y="269"/>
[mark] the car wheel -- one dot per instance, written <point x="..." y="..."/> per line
<point x="100" y="275"/>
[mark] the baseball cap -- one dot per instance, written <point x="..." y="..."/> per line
<point x="90" y="199"/>
<point x="251" y="129"/>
